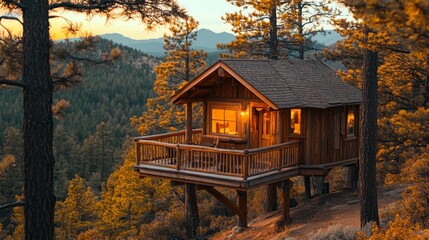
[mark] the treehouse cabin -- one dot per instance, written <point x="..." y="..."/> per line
<point x="264" y="121"/>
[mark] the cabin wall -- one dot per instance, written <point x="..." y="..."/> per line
<point x="229" y="88"/>
<point x="327" y="140"/>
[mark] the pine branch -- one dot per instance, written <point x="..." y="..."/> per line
<point x="77" y="6"/>
<point x="11" y="205"/>
<point x="11" y="18"/>
<point x="13" y="83"/>
<point x="14" y="3"/>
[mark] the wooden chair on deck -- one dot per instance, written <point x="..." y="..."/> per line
<point x="209" y="141"/>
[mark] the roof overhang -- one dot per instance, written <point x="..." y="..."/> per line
<point x="180" y="95"/>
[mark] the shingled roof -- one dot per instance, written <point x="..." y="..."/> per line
<point x="288" y="83"/>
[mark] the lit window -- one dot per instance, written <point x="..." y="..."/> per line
<point x="295" y="119"/>
<point x="224" y="120"/>
<point x="351" y="124"/>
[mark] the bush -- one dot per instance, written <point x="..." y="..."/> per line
<point x="336" y="232"/>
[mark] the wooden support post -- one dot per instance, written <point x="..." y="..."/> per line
<point x="307" y="185"/>
<point x="352" y="176"/>
<point x="280" y="127"/>
<point x="270" y="198"/>
<point x="191" y="211"/>
<point x="287" y="185"/>
<point x="138" y="154"/>
<point x="188" y="123"/>
<point x="319" y="186"/>
<point x="242" y="204"/>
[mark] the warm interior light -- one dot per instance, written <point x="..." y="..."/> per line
<point x="224" y="121"/>
<point x="350" y="123"/>
<point x="295" y="118"/>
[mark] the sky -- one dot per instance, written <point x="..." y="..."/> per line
<point x="207" y="12"/>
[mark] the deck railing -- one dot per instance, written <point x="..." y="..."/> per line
<point x="241" y="163"/>
<point x="174" y="137"/>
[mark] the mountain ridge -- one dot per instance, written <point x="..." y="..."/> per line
<point x="206" y="40"/>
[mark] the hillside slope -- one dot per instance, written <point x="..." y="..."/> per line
<point x="311" y="216"/>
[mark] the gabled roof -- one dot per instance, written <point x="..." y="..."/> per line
<point x="285" y="83"/>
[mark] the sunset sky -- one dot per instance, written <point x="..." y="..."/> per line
<point x="208" y="13"/>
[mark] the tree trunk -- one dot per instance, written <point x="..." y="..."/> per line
<point x="368" y="142"/>
<point x="191" y="211"/>
<point x="271" y="191"/>
<point x="38" y="126"/>
<point x="274" y="44"/>
<point x="352" y="177"/>
<point x="307" y="186"/>
<point x="301" y="31"/>
<point x="271" y="198"/>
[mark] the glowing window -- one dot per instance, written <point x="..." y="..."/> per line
<point x="351" y="124"/>
<point x="295" y="120"/>
<point x="224" y="121"/>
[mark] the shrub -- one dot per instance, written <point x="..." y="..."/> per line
<point x="336" y="232"/>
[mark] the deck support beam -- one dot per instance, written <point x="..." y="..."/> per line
<point x="191" y="211"/>
<point x="240" y="210"/>
<point x="188" y="123"/>
<point x="286" y="187"/>
<point x="242" y="205"/>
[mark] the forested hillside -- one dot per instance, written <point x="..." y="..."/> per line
<point x="90" y="137"/>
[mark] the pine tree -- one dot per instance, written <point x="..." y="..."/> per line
<point x="182" y="65"/>
<point x="78" y="212"/>
<point x="12" y="180"/>
<point x="38" y="79"/>
<point x="387" y="39"/>
<point x="129" y="201"/>
<point x="274" y="29"/>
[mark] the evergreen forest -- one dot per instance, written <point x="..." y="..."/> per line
<point x="104" y="94"/>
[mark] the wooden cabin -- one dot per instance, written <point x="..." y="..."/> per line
<point x="264" y="121"/>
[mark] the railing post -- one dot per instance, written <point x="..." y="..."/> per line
<point x="179" y="157"/>
<point x="245" y="165"/>
<point x="137" y="153"/>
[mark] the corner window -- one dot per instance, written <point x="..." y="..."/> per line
<point x="295" y="120"/>
<point x="351" y="131"/>
<point x="224" y="119"/>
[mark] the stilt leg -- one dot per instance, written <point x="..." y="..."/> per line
<point x="191" y="211"/>
<point x="242" y="204"/>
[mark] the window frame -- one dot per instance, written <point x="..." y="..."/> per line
<point x="354" y="133"/>
<point x="291" y="133"/>
<point x="224" y="106"/>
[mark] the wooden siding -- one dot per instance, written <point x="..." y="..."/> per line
<point x="326" y="140"/>
<point x="231" y="88"/>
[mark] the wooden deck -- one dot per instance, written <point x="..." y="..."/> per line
<point x="167" y="156"/>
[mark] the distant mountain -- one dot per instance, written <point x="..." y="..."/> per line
<point x="327" y="39"/>
<point x="206" y="40"/>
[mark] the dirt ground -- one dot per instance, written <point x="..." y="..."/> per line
<point x="311" y="216"/>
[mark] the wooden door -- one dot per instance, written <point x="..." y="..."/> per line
<point x="266" y="128"/>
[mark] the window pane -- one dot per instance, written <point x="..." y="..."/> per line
<point x="218" y="114"/>
<point x="295" y="119"/>
<point x="230" y="115"/>
<point x="231" y="128"/>
<point x="217" y="126"/>
<point x="224" y="121"/>
<point x="350" y="124"/>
